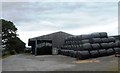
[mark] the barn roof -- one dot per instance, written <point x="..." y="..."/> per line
<point x="49" y="36"/>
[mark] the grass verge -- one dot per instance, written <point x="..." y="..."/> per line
<point x="6" y="56"/>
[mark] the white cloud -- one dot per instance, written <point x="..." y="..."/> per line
<point x="110" y="28"/>
<point x="60" y="0"/>
<point x="39" y="26"/>
<point x="36" y="19"/>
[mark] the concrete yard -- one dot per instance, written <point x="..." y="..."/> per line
<point x="22" y="62"/>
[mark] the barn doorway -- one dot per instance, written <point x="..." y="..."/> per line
<point x="44" y="47"/>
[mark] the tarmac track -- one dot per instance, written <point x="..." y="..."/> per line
<point x="22" y="62"/>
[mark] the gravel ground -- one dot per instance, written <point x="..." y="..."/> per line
<point x="24" y="62"/>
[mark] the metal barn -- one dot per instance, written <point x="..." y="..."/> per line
<point x="47" y="44"/>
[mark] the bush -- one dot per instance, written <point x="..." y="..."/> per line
<point x="12" y="52"/>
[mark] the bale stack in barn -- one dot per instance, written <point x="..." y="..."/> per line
<point x="90" y="46"/>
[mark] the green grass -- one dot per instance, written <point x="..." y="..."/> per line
<point x="27" y="53"/>
<point x="8" y="55"/>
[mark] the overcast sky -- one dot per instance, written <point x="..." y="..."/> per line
<point x="39" y="18"/>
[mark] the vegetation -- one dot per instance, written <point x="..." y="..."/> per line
<point x="10" y="42"/>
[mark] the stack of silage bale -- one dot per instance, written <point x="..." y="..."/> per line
<point x="90" y="46"/>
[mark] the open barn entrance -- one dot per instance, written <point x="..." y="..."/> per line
<point x="44" y="47"/>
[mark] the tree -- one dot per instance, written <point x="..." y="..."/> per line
<point x="17" y="44"/>
<point x="9" y="37"/>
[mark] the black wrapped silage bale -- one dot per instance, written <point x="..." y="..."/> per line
<point x="94" y="53"/>
<point x="71" y="53"/>
<point x="117" y="49"/>
<point x="83" y="37"/>
<point x="75" y="43"/>
<point x="78" y="38"/>
<point x="87" y="46"/>
<point x="105" y="40"/>
<point x="74" y="54"/>
<point x="112" y="44"/>
<point x="73" y="47"/>
<point x="68" y="47"/>
<point x="68" y="54"/>
<point x="85" y="41"/>
<point x="83" y="55"/>
<point x="110" y="51"/>
<point x="111" y="39"/>
<point x="80" y="48"/>
<point x="77" y="47"/>
<point x="95" y="35"/>
<point x="104" y="45"/>
<point x="103" y="35"/>
<point x="79" y="42"/>
<point x="117" y="43"/>
<point x="96" y="46"/>
<point x="102" y="52"/>
<point x="66" y="43"/>
<point x="71" y="42"/>
<point x="64" y="47"/>
<point x="65" y="52"/>
<point x="62" y="52"/>
<point x="97" y="40"/>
